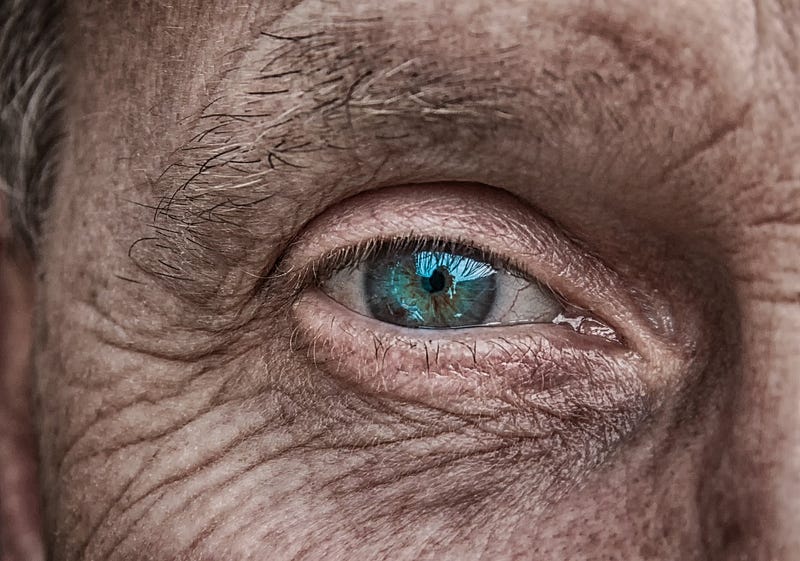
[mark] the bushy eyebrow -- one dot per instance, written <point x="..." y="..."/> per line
<point x="300" y="98"/>
<point x="297" y="98"/>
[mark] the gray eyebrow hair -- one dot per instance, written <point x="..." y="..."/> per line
<point x="322" y="103"/>
<point x="30" y="103"/>
<point x="303" y="95"/>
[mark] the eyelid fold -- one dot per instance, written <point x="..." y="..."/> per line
<point x="531" y="368"/>
<point x="488" y="219"/>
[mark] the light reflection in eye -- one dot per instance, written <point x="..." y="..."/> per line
<point x="431" y="287"/>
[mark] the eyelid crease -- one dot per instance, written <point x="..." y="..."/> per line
<point x="492" y="220"/>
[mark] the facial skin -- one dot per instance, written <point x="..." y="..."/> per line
<point x="196" y="398"/>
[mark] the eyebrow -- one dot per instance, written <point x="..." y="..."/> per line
<point x="298" y="97"/>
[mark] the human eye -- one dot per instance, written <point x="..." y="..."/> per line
<point x="440" y="284"/>
<point x="427" y="292"/>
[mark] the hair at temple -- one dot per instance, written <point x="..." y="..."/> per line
<point x="30" y="96"/>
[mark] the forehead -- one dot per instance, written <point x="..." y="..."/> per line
<point x="621" y="96"/>
<point x="196" y="34"/>
<point x="158" y="61"/>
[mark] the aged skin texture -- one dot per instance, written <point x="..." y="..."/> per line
<point x="198" y="396"/>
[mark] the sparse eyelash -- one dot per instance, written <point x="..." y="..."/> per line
<point x="355" y="255"/>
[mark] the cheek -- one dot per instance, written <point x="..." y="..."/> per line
<point x="226" y="449"/>
<point x="757" y="449"/>
<point x="264" y="456"/>
<point x="188" y="458"/>
<point x="159" y="456"/>
<point x="142" y="454"/>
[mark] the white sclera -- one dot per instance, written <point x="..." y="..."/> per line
<point x="516" y="300"/>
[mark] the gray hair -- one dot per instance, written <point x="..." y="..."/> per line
<point x="30" y="97"/>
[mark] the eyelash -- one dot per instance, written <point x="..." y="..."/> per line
<point x="319" y="271"/>
<point x="353" y="256"/>
<point x="504" y="235"/>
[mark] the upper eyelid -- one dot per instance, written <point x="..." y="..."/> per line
<point x="549" y="255"/>
<point x="354" y="256"/>
<point x="542" y="241"/>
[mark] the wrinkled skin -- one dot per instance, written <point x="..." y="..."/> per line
<point x="175" y="416"/>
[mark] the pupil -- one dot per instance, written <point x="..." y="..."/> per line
<point x="434" y="289"/>
<point x="437" y="281"/>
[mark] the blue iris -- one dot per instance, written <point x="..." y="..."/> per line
<point x="430" y="289"/>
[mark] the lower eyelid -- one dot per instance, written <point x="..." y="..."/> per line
<point x="458" y="369"/>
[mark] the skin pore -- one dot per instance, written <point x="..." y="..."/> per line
<point x="196" y="397"/>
